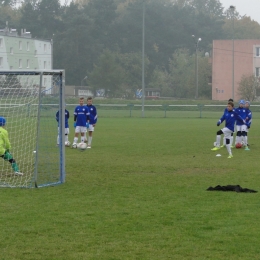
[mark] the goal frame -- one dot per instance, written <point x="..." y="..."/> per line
<point x="61" y="85"/>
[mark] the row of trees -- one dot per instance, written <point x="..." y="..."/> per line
<point x="249" y="87"/>
<point x="103" y="39"/>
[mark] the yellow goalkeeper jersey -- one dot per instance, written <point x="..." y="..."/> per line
<point x="4" y="141"/>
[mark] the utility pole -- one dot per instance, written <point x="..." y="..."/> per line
<point x="232" y="9"/>
<point x="197" y="66"/>
<point x="143" y="50"/>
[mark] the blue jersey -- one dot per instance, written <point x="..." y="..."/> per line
<point x="242" y="112"/>
<point x="92" y="114"/>
<point x="67" y="116"/>
<point x="80" y="115"/>
<point x="248" y="117"/>
<point x="230" y="117"/>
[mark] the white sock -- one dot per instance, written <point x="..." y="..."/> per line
<point x="89" y="140"/>
<point x="224" y="141"/>
<point x="58" y="139"/>
<point x="66" y="138"/>
<point x="75" y="140"/>
<point x="229" y="149"/>
<point x="82" y="139"/>
<point x="85" y="136"/>
<point x="218" y="140"/>
<point x="231" y="140"/>
<point x="246" y="140"/>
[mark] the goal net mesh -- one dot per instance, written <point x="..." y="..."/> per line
<point x="32" y="134"/>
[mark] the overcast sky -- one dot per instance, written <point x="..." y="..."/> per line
<point x="244" y="7"/>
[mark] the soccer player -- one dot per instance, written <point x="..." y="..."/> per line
<point x="92" y="120"/>
<point x="248" y="124"/>
<point x="241" y="127"/>
<point x="5" y="146"/>
<point x="67" y="130"/>
<point x="80" y="120"/>
<point x="231" y="139"/>
<point x="230" y="117"/>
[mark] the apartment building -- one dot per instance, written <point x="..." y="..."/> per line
<point x="21" y="52"/>
<point x="246" y="57"/>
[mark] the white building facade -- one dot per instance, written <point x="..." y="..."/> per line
<point x="21" y="52"/>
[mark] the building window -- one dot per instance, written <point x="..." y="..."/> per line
<point x="257" y="72"/>
<point x="257" y="51"/>
<point x="44" y="65"/>
<point x="11" y="50"/>
<point x="1" y="61"/>
<point x="20" y="63"/>
<point x="35" y="52"/>
<point x="27" y="46"/>
<point x="1" y="42"/>
<point x="45" y="48"/>
<point x="28" y="63"/>
<point x="20" y="45"/>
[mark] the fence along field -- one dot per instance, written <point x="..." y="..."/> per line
<point x="156" y="111"/>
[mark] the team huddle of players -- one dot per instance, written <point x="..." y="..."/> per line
<point x="242" y="118"/>
<point x="85" y="119"/>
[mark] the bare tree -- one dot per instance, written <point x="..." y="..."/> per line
<point x="248" y="87"/>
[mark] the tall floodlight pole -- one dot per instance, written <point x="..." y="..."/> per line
<point x="197" y="65"/>
<point x="82" y="80"/>
<point x="52" y="51"/>
<point x="53" y="89"/>
<point x="143" y="85"/>
<point x="232" y="9"/>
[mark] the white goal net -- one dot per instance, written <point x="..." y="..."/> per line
<point x="33" y="159"/>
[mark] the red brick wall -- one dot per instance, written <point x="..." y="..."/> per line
<point x="244" y="63"/>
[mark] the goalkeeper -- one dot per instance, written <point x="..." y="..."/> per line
<point x="5" y="146"/>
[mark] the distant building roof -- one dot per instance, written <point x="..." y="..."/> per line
<point x="13" y="32"/>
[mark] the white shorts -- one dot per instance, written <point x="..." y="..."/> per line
<point x="67" y="131"/>
<point x="241" y="128"/>
<point x="80" y="129"/>
<point x="227" y="132"/>
<point x="91" y="128"/>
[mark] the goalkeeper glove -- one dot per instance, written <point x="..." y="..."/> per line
<point x="87" y="125"/>
<point x="74" y="124"/>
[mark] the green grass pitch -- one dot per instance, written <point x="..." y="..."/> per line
<point x="140" y="193"/>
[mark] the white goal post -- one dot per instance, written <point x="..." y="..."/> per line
<point x="34" y="158"/>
